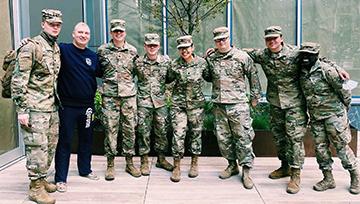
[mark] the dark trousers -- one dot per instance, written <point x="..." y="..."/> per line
<point x="69" y="117"/>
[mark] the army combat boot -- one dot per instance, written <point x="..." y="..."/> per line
<point x="130" y="168"/>
<point x="246" y="179"/>
<point x="110" y="170"/>
<point x="194" y="167"/>
<point x="49" y="187"/>
<point x="144" y="167"/>
<point x="231" y="169"/>
<point x="294" y="184"/>
<point x="176" y="173"/>
<point x="328" y="182"/>
<point x="38" y="194"/>
<point x="354" y="185"/>
<point x="281" y="172"/>
<point x="162" y="163"/>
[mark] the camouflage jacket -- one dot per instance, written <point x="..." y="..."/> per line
<point x="151" y="81"/>
<point x="282" y="73"/>
<point x="188" y="82"/>
<point x="227" y="73"/>
<point x="33" y="84"/>
<point x="116" y="65"/>
<point x="323" y="91"/>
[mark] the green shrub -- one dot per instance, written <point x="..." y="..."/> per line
<point x="260" y="116"/>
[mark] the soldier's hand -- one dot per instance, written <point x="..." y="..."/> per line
<point x="254" y="102"/>
<point x="208" y="51"/>
<point x="24" y="41"/>
<point x="24" y="119"/>
<point x="344" y="75"/>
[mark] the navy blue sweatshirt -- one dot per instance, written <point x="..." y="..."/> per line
<point x="77" y="77"/>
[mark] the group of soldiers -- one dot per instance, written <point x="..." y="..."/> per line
<point x="299" y="85"/>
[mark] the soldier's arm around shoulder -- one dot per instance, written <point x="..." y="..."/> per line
<point x="102" y="53"/>
<point x="170" y="72"/>
<point x="334" y="80"/>
<point x="344" y="75"/>
<point x="207" y="74"/>
<point x="251" y="73"/>
<point x="254" y="53"/>
<point x="21" y="76"/>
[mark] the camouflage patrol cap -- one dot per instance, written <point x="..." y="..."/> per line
<point x="152" y="39"/>
<point x="272" y="31"/>
<point x="51" y="15"/>
<point x="220" y="32"/>
<point x="184" y="41"/>
<point x="310" y="47"/>
<point x="117" y="24"/>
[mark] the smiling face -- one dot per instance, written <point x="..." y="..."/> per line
<point x="81" y="35"/>
<point x="222" y="45"/>
<point x="52" y="29"/>
<point x="274" y="43"/>
<point x="186" y="53"/>
<point x="152" y="51"/>
<point x="118" y="36"/>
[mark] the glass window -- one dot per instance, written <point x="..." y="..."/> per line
<point x="334" y="24"/>
<point x="250" y="18"/>
<point x="138" y="17"/>
<point x="9" y="137"/>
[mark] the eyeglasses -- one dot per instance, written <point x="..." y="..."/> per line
<point x="221" y="40"/>
<point x="53" y="25"/>
<point x="152" y="46"/>
<point x="270" y="39"/>
<point x="116" y="31"/>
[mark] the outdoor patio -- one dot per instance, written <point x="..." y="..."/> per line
<point x="157" y="188"/>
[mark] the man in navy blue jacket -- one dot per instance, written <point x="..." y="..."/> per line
<point x="76" y="89"/>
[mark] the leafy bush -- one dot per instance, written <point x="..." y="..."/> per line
<point x="260" y="116"/>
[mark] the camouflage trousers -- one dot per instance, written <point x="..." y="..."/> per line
<point x="149" y="117"/>
<point x="119" y="112"/>
<point x="182" y="120"/>
<point x="289" y="127"/>
<point x="333" y="130"/>
<point x="234" y="132"/>
<point x="40" y="140"/>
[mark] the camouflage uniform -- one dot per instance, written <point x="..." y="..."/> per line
<point x="288" y="117"/>
<point x="119" y="96"/>
<point x="34" y="92"/>
<point x="152" y="110"/>
<point x="234" y="130"/>
<point x="188" y="101"/>
<point x="327" y="103"/>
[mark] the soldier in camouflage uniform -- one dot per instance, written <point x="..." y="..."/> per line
<point x="187" y="108"/>
<point x="119" y="97"/>
<point x="152" y="111"/>
<point x="33" y="88"/>
<point x="228" y="68"/>
<point x="287" y="104"/>
<point x="327" y="103"/>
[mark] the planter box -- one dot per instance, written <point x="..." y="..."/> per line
<point x="263" y="144"/>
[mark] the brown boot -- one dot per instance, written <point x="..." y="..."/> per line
<point x="38" y="194"/>
<point x="130" y="168"/>
<point x="283" y="171"/>
<point x="246" y="179"/>
<point x="144" y="167"/>
<point x="162" y="163"/>
<point x="110" y="170"/>
<point x="294" y="184"/>
<point x="328" y="182"/>
<point x="354" y="184"/>
<point x="194" y="167"/>
<point x="176" y="173"/>
<point x="231" y="170"/>
<point x="49" y="187"/>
